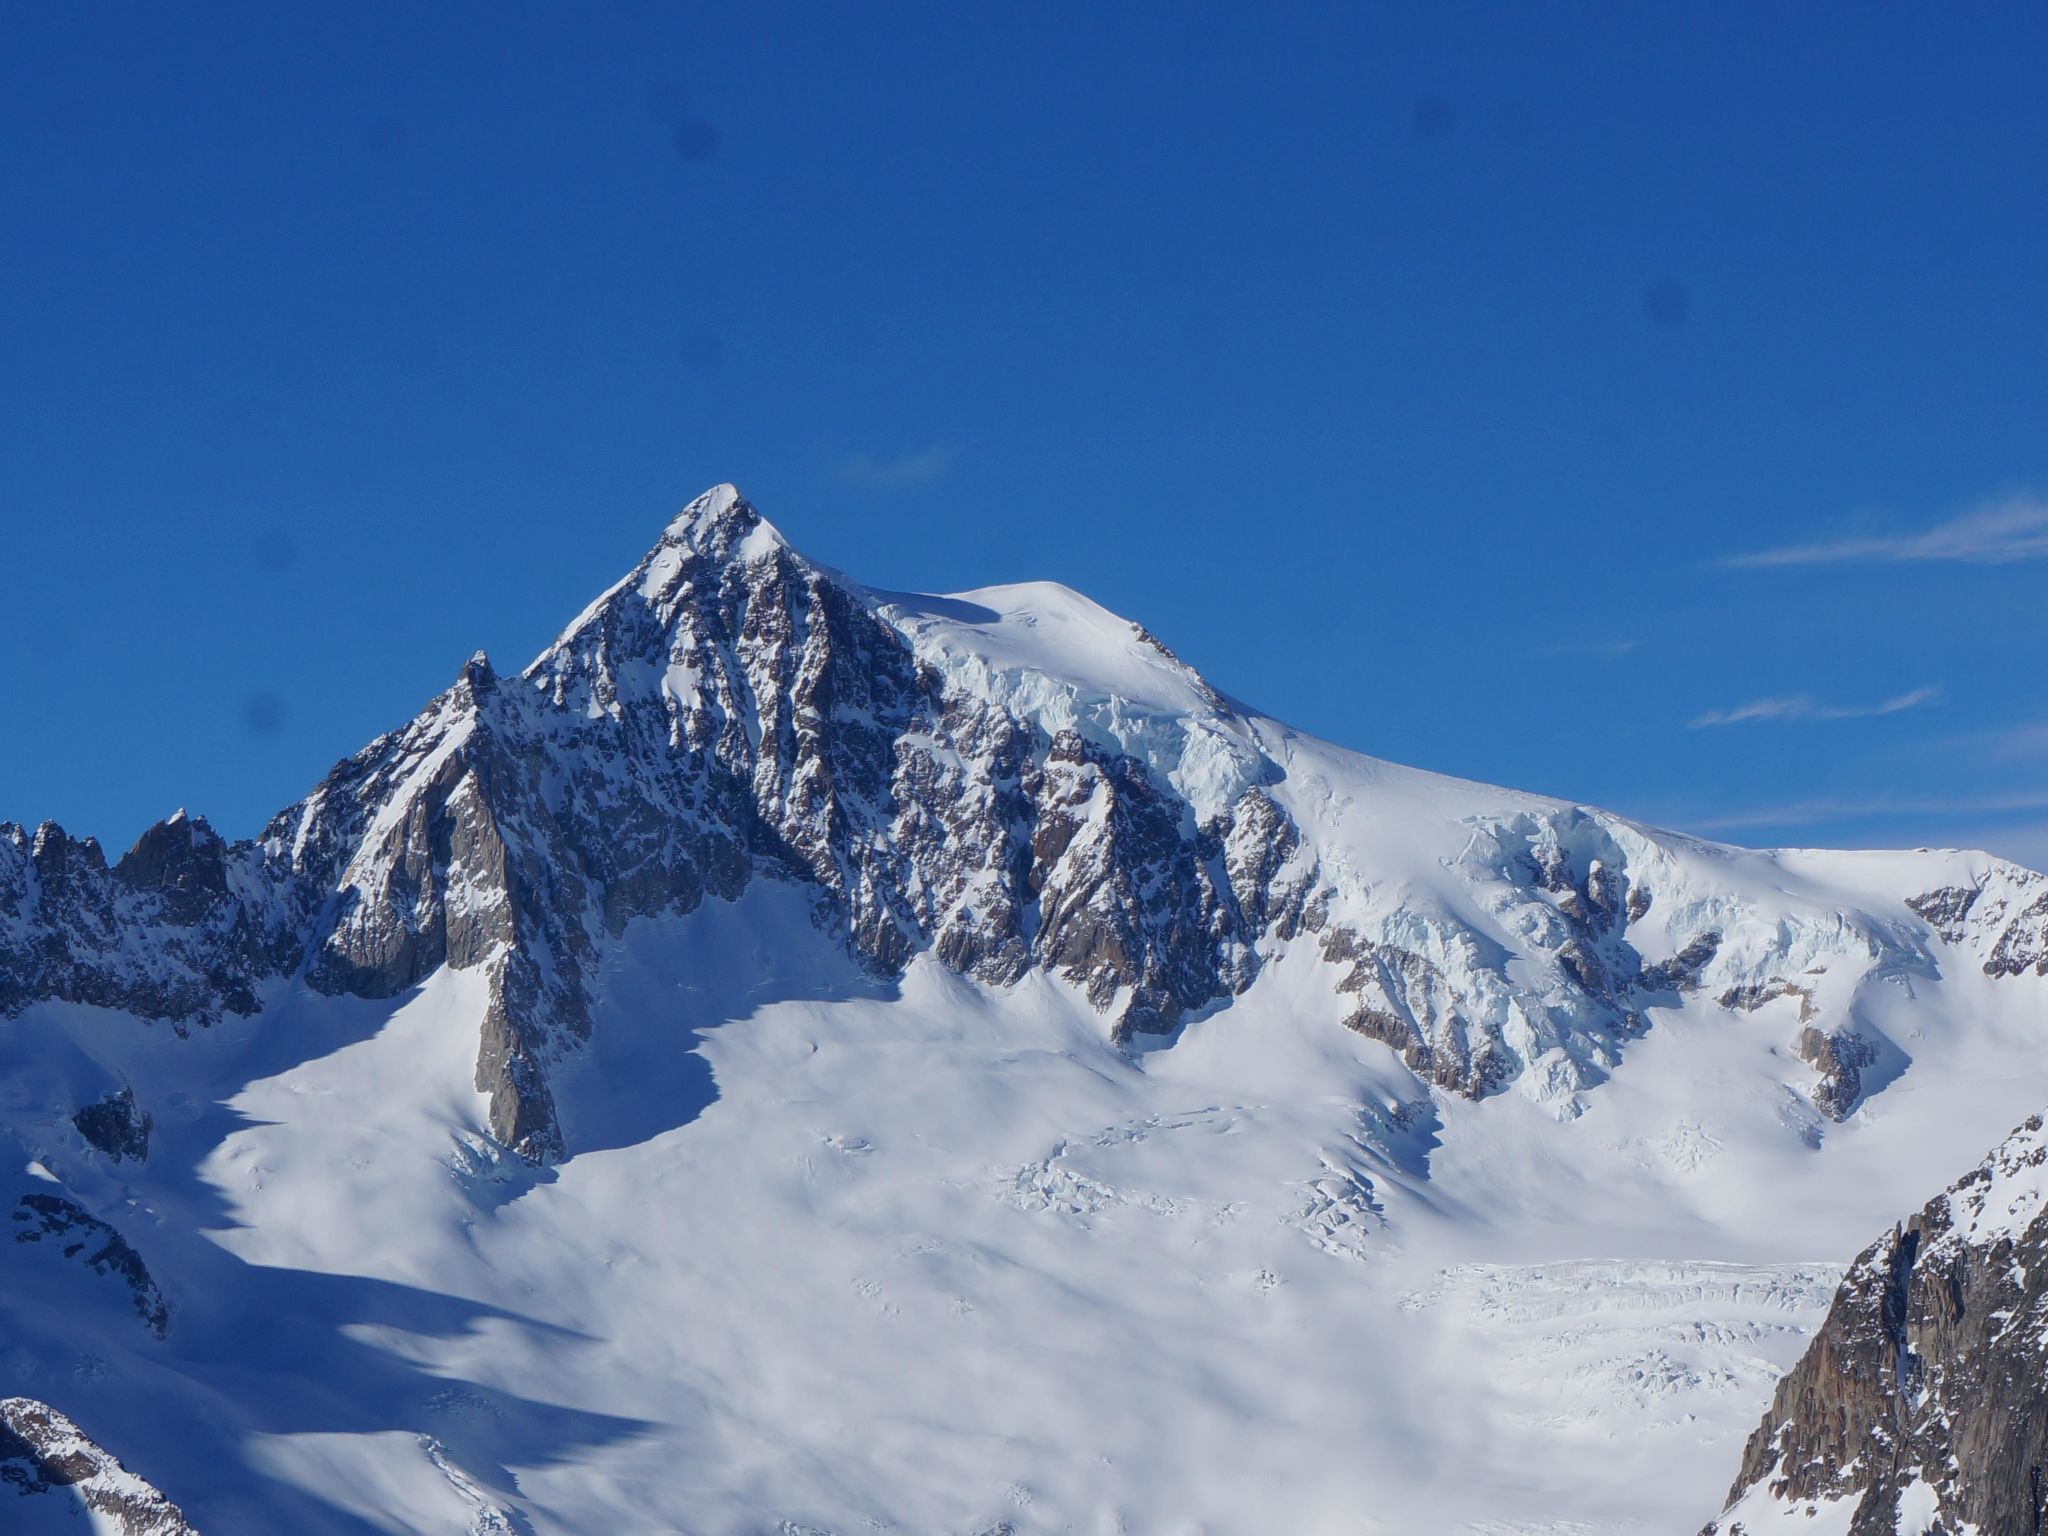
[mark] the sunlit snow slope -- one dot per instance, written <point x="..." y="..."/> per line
<point x="806" y="1059"/>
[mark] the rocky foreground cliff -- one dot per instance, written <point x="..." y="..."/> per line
<point x="1922" y="1405"/>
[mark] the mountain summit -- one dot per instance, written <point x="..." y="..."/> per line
<point x="998" y="886"/>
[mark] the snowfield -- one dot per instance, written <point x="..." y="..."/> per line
<point x="932" y="1258"/>
<point x="834" y="1251"/>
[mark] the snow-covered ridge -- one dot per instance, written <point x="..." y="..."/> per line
<point x="1045" y="654"/>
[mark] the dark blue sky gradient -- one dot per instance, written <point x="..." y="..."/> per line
<point x="1411" y="370"/>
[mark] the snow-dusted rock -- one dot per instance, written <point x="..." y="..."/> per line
<point x="2002" y="917"/>
<point x="50" y="1470"/>
<point x="1920" y="1404"/>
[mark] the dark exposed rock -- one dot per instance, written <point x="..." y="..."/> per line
<point x="42" y="1453"/>
<point x="183" y="862"/>
<point x="78" y="1234"/>
<point x="508" y="1063"/>
<point x="1750" y="996"/>
<point x="1583" y="965"/>
<point x="183" y="930"/>
<point x="2023" y="946"/>
<point x="1606" y="892"/>
<point x="1681" y="973"/>
<point x="2003" y="919"/>
<point x="1128" y="901"/>
<point x="115" y="1126"/>
<point x="1927" y="1371"/>
<point x="1839" y="1057"/>
<point x="1409" y="1004"/>
<point x="1947" y="910"/>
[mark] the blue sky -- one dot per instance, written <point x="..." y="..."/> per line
<point x="1643" y="405"/>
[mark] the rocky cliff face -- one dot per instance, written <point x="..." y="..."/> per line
<point x="1919" y="1405"/>
<point x="731" y="712"/>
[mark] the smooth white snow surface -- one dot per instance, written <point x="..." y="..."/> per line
<point x="1062" y="661"/>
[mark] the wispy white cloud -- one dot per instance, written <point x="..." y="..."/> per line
<point x="1998" y="533"/>
<point x="921" y="467"/>
<point x="2019" y="743"/>
<point x="1794" y="708"/>
<point x="2006" y="825"/>
<point x="1801" y="706"/>
<point x="1602" y="650"/>
<point x="1805" y="813"/>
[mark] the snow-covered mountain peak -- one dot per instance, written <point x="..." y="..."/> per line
<point x="717" y="528"/>
<point x="714" y="531"/>
<point x="1014" y="780"/>
<point x="719" y="524"/>
<point x="571" y="1113"/>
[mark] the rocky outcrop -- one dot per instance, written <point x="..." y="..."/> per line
<point x="1947" y="910"/>
<point x="1682" y="971"/>
<point x="1922" y="1391"/>
<point x="1840" y="1057"/>
<point x="115" y="1126"/>
<point x="2003" y="920"/>
<point x="1442" y="995"/>
<point x="1751" y="996"/>
<point x="43" y="1455"/>
<point x="78" y="1235"/>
